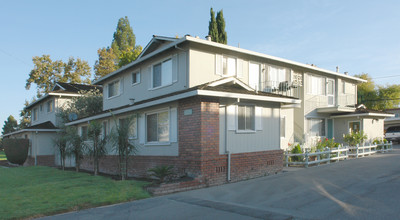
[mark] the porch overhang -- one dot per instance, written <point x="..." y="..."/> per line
<point x="336" y="109"/>
<point x="374" y="115"/>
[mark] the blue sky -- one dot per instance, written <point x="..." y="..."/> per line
<point x="357" y="36"/>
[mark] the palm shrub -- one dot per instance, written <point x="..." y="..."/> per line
<point x="75" y="146"/>
<point x="122" y="144"/>
<point x="161" y="172"/>
<point x="61" y="144"/>
<point x="97" y="148"/>
<point x="297" y="150"/>
<point x="355" y="138"/>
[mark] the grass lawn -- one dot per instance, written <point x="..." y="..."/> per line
<point x="2" y="155"/>
<point x="38" y="191"/>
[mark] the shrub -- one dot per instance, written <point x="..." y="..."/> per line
<point x="16" y="150"/>
<point x="161" y="172"/>
<point x="297" y="150"/>
<point x="355" y="138"/>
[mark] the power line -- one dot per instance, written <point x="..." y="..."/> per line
<point x="17" y="58"/>
<point x="383" y="77"/>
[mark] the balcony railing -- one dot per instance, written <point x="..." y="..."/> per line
<point x="285" y="88"/>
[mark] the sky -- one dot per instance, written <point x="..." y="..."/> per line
<point x="358" y="36"/>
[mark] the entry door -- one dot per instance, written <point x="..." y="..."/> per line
<point x="330" y="92"/>
<point x="330" y="129"/>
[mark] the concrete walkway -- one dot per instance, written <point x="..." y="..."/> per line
<point x="364" y="188"/>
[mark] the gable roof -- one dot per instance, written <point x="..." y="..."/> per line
<point x="229" y="87"/>
<point x="151" y="50"/>
<point x="42" y="127"/>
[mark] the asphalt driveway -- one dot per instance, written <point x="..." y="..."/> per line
<point x="364" y="188"/>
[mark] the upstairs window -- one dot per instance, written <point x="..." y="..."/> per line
<point x="135" y="78"/>
<point x="246" y="118"/>
<point x="162" y="74"/>
<point x="229" y="66"/>
<point x="50" y="106"/>
<point x="344" y="87"/>
<point x="35" y="114"/>
<point x="316" y="85"/>
<point x="114" y="89"/>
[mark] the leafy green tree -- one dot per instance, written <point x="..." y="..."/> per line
<point x="47" y="72"/>
<point x="106" y="62"/>
<point x="122" y="144"/>
<point x="366" y="91"/>
<point x="129" y="56"/>
<point x="222" y="35"/>
<point x="389" y="97"/>
<point x="10" y="125"/>
<point x="89" y="103"/>
<point x="25" y="115"/>
<point x="212" y="27"/>
<point x="97" y="147"/>
<point x="124" y="38"/>
<point x="75" y="146"/>
<point x="61" y="143"/>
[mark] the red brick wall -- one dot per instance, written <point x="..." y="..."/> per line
<point x="43" y="160"/>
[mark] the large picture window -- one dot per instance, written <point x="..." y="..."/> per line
<point x="229" y="66"/>
<point x="162" y="74"/>
<point x="113" y="89"/>
<point x="316" y="85"/>
<point x="316" y="127"/>
<point x="132" y="130"/>
<point x="246" y="118"/>
<point x="157" y="126"/>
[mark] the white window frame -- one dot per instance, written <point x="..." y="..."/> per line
<point x="35" y="114"/>
<point x="119" y="89"/>
<point x="227" y="73"/>
<point x="152" y="73"/>
<point x="49" y="107"/>
<point x="237" y="119"/>
<point x="348" y="125"/>
<point x="168" y="110"/>
<point x="138" y="75"/>
<point x="320" y="88"/>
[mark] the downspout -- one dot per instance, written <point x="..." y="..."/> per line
<point x="36" y="148"/>
<point x="226" y="144"/>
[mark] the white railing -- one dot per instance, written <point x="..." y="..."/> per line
<point x="336" y="154"/>
<point x="286" y="88"/>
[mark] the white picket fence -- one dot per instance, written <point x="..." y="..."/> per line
<point x="336" y="154"/>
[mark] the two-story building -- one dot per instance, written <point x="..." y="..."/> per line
<point x="220" y="113"/>
<point x="45" y="121"/>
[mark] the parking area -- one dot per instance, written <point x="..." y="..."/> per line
<point x="364" y="188"/>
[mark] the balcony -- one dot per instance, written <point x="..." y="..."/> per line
<point x="285" y="88"/>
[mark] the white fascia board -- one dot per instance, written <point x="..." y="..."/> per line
<point x="37" y="101"/>
<point x="231" y="79"/>
<point x="240" y="50"/>
<point x="247" y="96"/>
<point x="32" y="130"/>
<point x="135" y="107"/>
<point x="363" y="115"/>
<point x="50" y="94"/>
<point x="64" y="94"/>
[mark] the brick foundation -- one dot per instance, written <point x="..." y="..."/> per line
<point x="199" y="156"/>
<point x="42" y="160"/>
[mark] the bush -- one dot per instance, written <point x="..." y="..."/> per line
<point x="16" y="150"/>
<point x="297" y="150"/>
<point x="355" y="138"/>
<point x="161" y="172"/>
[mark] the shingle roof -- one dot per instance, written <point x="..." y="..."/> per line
<point x="44" y="125"/>
<point x="74" y="88"/>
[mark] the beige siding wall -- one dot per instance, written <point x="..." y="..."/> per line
<point x="373" y="128"/>
<point x="43" y="115"/>
<point x="347" y="94"/>
<point x="143" y="90"/>
<point x="267" y="138"/>
<point x="289" y="128"/>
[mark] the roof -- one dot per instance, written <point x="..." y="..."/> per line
<point x="151" y="51"/>
<point x="42" y="127"/>
<point x="229" y="87"/>
<point x="361" y="110"/>
<point x="65" y="89"/>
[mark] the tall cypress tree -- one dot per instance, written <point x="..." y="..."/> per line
<point x="124" y="38"/>
<point x="222" y="35"/>
<point x="212" y="27"/>
<point x="10" y="125"/>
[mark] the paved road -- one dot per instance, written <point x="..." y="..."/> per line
<point x="365" y="188"/>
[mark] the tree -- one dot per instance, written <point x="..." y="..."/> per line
<point x="47" y="72"/>
<point x="25" y="115"/>
<point x="124" y="38"/>
<point x="75" y="146"/>
<point x="106" y="62"/>
<point x="97" y="148"/>
<point x="122" y="144"/>
<point x="389" y="97"/>
<point x="212" y="27"/>
<point x="61" y="143"/>
<point x="123" y="50"/>
<point x="222" y="35"/>
<point x="89" y="103"/>
<point x="10" y="125"/>
<point x="366" y="91"/>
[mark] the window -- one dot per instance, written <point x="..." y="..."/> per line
<point x="49" y="106"/>
<point x="132" y="133"/>
<point x="104" y="129"/>
<point x="316" y="127"/>
<point x="84" y="133"/>
<point x="283" y="127"/>
<point x="343" y="87"/>
<point x="254" y="75"/>
<point x="162" y="74"/>
<point x="246" y="118"/>
<point x="113" y="89"/>
<point x="135" y="78"/>
<point x="41" y="107"/>
<point x="354" y="126"/>
<point x="157" y="125"/>
<point x="316" y="85"/>
<point x="35" y="114"/>
<point x="229" y="66"/>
